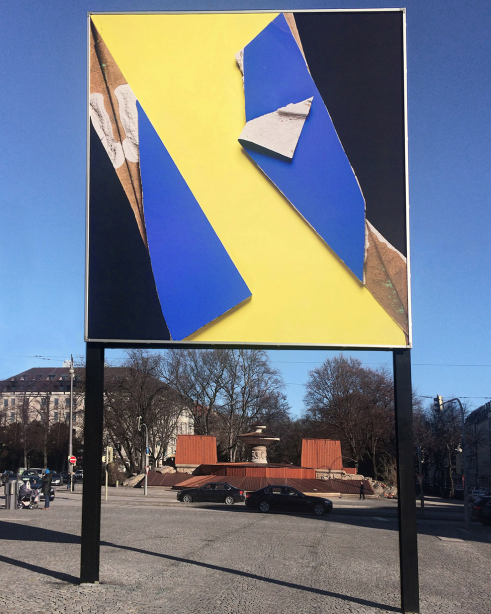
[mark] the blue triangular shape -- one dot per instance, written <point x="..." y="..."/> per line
<point x="196" y="279"/>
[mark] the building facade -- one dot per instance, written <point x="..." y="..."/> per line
<point x="478" y="446"/>
<point x="43" y="394"/>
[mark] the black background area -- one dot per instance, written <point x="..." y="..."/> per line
<point x="123" y="300"/>
<point x="356" y="61"/>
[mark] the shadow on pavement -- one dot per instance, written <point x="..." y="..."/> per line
<point x="22" y="532"/>
<point x="428" y="526"/>
<point x="42" y="570"/>
<point x="13" y="531"/>
<point x="245" y="574"/>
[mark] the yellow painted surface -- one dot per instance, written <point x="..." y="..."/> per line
<point x="183" y="72"/>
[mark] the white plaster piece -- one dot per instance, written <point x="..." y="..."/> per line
<point x="129" y="118"/>
<point x="277" y="132"/>
<point x="102" y="125"/>
<point x="239" y="58"/>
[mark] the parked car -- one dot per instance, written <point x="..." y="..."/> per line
<point x="287" y="499"/>
<point x="481" y="510"/>
<point x="477" y="493"/>
<point x="34" y="471"/>
<point x="56" y="480"/>
<point x="36" y="483"/>
<point x="213" y="492"/>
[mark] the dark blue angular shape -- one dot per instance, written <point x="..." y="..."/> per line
<point x="195" y="277"/>
<point x="319" y="181"/>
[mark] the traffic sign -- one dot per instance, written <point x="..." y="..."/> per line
<point x="147" y="469"/>
<point x="72" y="459"/>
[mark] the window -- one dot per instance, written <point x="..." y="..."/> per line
<point x="12" y="416"/>
<point x="56" y="401"/>
<point x="12" y="401"/>
<point x="55" y="416"/>
<point x="67" y="416"/>
<point x="44" y="401"/>
<point x="74" y="416"/>
<point x="5" y="402"/>
<point x="290" y="491"/>
<point x="67" y="402"/>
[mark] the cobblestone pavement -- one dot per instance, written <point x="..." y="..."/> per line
<point x="221" y="560"/>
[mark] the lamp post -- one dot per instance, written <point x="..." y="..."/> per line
<point x="464" y="461"/>
<point x="140" y="424"/>
<point x="70" y="434"/>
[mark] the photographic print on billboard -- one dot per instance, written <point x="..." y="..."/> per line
<point x="248" y="179"/>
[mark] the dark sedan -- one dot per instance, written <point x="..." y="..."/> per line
<point x="219" y="492"/>
<point x="56" y="480"/>
<point x="287" y="499"/>
<point x="481" y="510"/>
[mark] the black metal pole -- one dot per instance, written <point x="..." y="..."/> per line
<point x="91" y="498"/>
<point x="406" y="494"/>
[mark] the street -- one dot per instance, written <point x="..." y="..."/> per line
<point x="158" y="554"/>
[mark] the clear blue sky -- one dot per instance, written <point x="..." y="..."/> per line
<point x="43" y="170"/>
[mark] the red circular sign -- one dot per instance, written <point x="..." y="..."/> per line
<point x="73" y="459"/>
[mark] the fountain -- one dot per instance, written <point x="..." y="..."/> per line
<point x="259" y="441"/>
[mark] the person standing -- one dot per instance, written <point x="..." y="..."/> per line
<point x="46" y="487"/>
<point x="362" y="491"/>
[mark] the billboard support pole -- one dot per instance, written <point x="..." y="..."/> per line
<point x="91" y="497"/>
<point x="406" y="493"/>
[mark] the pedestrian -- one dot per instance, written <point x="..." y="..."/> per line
<point x="69" y="481"/>
<point x="46" y="487"/>
<point x="362" y="491"/>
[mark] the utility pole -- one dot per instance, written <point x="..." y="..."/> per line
<point x="140" y="424"/>
<point x="420" y="481"/>
<point x="464" y="459"/>
<point x="70" y="434"/>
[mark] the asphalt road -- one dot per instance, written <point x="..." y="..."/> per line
<point x="158" y="555"/>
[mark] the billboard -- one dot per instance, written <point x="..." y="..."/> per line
<point x="248" y="179"/>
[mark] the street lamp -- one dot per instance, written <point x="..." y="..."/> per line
<point x="70" y="434"/>
<point x="140" y="424"/>
<point x="464" y="460"/>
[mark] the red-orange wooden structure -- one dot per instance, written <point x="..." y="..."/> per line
<point x="196" y="449"/>
<point x="322" y="454"/>
<point x="271" y="470"/>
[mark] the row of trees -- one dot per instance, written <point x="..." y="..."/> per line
<point x="38" y="436"/>
<point x="24" y="445"/>
<point x="350" y="402"/>
<point x="224" y="392"/>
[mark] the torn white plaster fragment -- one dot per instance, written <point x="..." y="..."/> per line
<point x="102" y="124"/>
<point x="277" y="132"/>
<point x="239" y="58"/>
<point x="129" y="118"/>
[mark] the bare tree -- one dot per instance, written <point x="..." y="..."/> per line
<point x="199" y="377"/>
<point x="251" y="390"/>
<point x="354" y="404"/>
<point x="334" y="401"/>
<point x="441" y="433"/>
<point x="135" y="389"/>
<point x="228" y="390"/>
